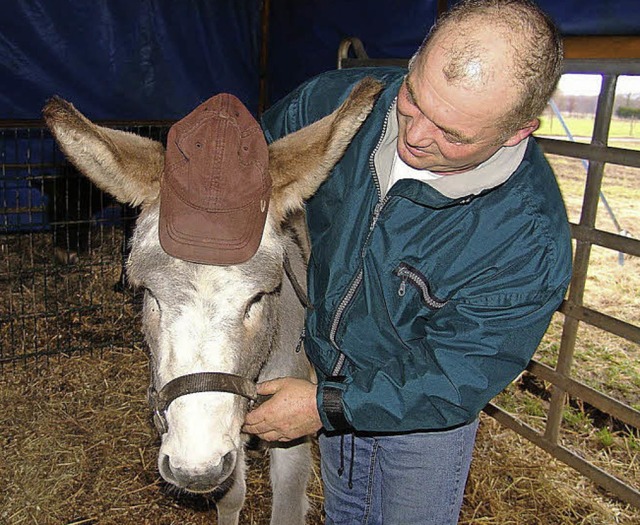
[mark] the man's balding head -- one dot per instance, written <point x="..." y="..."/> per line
<point x="508" y="45"/>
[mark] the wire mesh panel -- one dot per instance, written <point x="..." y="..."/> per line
<point x="64" y="243"/>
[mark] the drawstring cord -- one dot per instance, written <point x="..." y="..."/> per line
<point x="353" y="453"/>
<point x="351" y="460"/>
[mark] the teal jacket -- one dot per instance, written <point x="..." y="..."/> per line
<point x="424" y="307"/>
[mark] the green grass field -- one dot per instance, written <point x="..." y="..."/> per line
<point x="583" y="127"/>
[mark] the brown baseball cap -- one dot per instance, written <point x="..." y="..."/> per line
<point x="215" y="190"/>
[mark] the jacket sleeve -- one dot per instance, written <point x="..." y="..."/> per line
<point x="472" y="349"/>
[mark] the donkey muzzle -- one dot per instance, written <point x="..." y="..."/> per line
<point x="195" y="383"/>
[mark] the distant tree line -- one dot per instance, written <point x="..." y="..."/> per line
<point x="627" y="112"/>
<point x="626" y="106"/>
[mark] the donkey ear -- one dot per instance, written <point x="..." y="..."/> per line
<point x="126" y="165"/>
<point x="301" y="161"/>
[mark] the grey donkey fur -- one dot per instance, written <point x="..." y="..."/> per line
<point x="244" y="319"/>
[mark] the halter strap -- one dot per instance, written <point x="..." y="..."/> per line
<point x="297" y="287"/>
<point x="205" y="382"/>
<point x="195" y="383"/>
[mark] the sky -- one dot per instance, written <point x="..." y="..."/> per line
<point x="590" y="84"/>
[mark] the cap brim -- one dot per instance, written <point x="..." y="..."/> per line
<point x="206" y="237"/>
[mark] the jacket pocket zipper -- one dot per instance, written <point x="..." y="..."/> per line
<point x="410" y="275"/>
<point x="337" y="318"/>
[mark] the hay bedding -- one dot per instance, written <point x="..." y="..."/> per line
<point x="77" y="447"/>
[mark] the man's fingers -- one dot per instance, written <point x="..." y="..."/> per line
<point x="268" y="388"/>
<point x="255" y="428"/>
<point x="263" y="431"/>
<point x="272" y="435"/>
<point x="254" y="416"/>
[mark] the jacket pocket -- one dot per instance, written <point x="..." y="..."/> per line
<point x="411" y="276"/>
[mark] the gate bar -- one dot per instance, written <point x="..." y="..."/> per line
<point x="590" y="201"/>
<point x="601" y="401"/>
<point x="605" y="322"/>
<point x="622" y="490"/>
<point x="578" y="150"/>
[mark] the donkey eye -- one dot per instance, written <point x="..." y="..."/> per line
<point x="150" y="301"/>
<point x="149" y="298"/>
<point x="253" y="302"/>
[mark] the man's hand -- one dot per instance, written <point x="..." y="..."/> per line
<point x="289" y="414"/>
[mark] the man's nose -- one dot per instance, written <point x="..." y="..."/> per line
<point x="420" y="131"/>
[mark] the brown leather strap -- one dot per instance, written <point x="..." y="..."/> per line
<point x="205" y="382"/>
<point x="199" y="382"/>
<point x="297" y="287"/>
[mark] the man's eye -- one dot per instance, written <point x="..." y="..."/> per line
<point x="410" y="98"/>
<point x="407" y="95"/>
<point x="452" y="140"/>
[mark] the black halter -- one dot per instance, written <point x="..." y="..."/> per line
<point x="192" y="384"/>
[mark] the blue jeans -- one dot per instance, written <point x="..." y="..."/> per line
<point x="401" y="479"/>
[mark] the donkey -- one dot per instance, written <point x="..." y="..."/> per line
<point x="213" y="331"/>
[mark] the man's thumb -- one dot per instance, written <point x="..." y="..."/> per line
<point x="268" y="388"/>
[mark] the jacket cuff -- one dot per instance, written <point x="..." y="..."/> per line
<point x="332" y="409"/>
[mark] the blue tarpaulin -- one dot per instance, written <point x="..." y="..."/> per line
<point x="158" y="59"/>
<point x="127" y="59"/>
<point x="304" y="36"/>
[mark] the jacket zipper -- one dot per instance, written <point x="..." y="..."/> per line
<point x="409" y="274"/>
<point x="372" y="165"/>
<point x="358" y="280"/>
<point x="336" y="321"/>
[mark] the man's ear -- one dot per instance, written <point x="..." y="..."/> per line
<point x="522" y="133"/>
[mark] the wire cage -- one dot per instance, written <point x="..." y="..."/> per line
<point x="64" y="245"/>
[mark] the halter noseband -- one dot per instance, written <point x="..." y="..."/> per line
<point x="192" y="384"/>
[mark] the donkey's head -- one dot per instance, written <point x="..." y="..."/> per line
<point x="203" y="319"/>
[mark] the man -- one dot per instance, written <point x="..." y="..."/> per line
<point x="440" y="250"/>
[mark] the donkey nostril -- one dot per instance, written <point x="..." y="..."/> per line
<point x="228" y="463"/>
<point x="198" y="480"/>
<point x="164" y="465"/>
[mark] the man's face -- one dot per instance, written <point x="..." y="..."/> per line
<point x="447" y="128"/>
